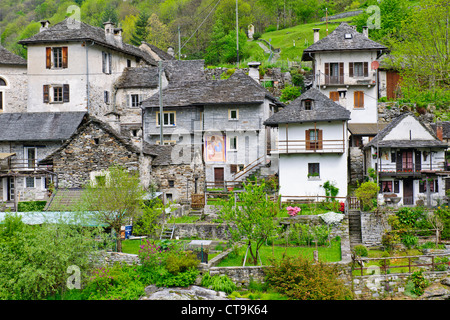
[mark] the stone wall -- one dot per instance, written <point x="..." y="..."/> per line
<point x="201" y="231"/>
<point x="91" y="151"/>
<point x="356" y="167"/>
<point x="372" y="228"/>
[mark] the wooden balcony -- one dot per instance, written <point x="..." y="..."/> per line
<point x="22" y="165"/>
<point x="310" y="146"/>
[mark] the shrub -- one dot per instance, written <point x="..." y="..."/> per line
<point x="442" y="263"/>
<point x="300" y="279"/>
<point x="181" y="261"/>
<point x="419" y="282"/>
<point x="218" y="283"/>
<point x="271" y="28"/>
<point x="385" y="263"/>
<point x="367" y="192"/>
<point x="256" y="35"/>
<point x="182" y="279"/>
<point x="290" y="93"/>
<point x="409" y="240"/>
<point x="361" y="250"/>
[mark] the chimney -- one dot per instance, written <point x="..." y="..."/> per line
<point x="109" y="31"/>
<point x="44" y="25"/>
<point x="171" y="51"/>
<point x="316" y="34"/>
<point x="253" y="70"/>
<point x="118" y="35"/>
<point x="366" y="31"/>
<point x="439" y="130"/>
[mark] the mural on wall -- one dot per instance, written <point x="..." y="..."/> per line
<point x="215" y="148"/>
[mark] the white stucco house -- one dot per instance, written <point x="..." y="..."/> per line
<point x="73" y="66"/>
<point x="409" y="160"/>
<point x="312" y="146"/>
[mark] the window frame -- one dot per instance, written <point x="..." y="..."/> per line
<point x="358" y="100"/>
<point x="230" y="111"/>
<point x="389" y="184"/>
<point x="164" y="119"/>
<point x="27" y="179"/>
<point x="56" y="57"/>
<point x="314" y="170"/>
<point x="230" y="146"/>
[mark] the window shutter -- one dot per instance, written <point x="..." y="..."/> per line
<point x="103" y="62"/>
<point x="320" y="147"/>
<point x="366" y="69"/>
<point x="356" y="99"/>
<point x="436" y="186"/>
<point x="48" y="57"/>
<point x="422" y="186"/>
<point x="334" y="95"/>
<point x="418" y="161"/>
<point x="350" y="69"/>
<point x="46" y="93"/>
<point x="341" y="72"/>
<point x="128" y="100"/>
<point x="396" y="186"/>
<point x="399" y="163"/>
<point x="327" y="72"/>
<point x="109" y="63"/>
<point x="308" y="140"/>
<point x="64" y="57"/>
<point x="66" y="93"/>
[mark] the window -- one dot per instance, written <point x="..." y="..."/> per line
<point x="171" y="183"/>
<point x="386" y="186"/>
<point x="30" y="157"/>
<point x="233" y="114"/>
<point x="106" y="97"/>
<point x="433" y="185"/>
<point x="56" y="93"/>
<point x="128" y="63"/>
<point x="56" y="57"/>
<point x="407" y="160"/>
<point x="334" y="73"/>
<point x="169" y="118"/>
<point x="307" y="104"/>
<point x="134" y="100"/>
<point x="358" y="99"/>
<point x="29" y="182"/>
<point x="106" y="62"/>
<point x="233" y="143"/>
<point x="358" y="69"/>
<point x="334" y="95"/>
<point x="313" y="170"/>
<point x="313" y="139"/>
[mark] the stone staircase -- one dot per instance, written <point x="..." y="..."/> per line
<point x="167" y="232"/>
<point x="354" y="227"/>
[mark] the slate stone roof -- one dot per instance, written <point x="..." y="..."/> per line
<point x="336" y="41"/>
<point x="161" y="53"/>
<point x="68" y="31"/>
<point x="238" y="89"/>
<point x="184" y="70"/>
<point x="323" y="109"/>
<point x="10" y="58"/>
<point x="138" y="77"/>
<point x="445" y="129"/>
<point x="39" y="126"/>
<point x="378" y="139"/>
<point x="163" y="154"/>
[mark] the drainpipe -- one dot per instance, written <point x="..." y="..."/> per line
<point x="87" y="77"/>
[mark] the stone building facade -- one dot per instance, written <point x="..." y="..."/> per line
<point x="92" y="149"/>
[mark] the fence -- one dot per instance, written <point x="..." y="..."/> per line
<point x="385" y="264"/>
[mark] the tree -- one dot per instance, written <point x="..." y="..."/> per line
<point x="140" y="29"/>
<point x="115" y="199"/>
<point x="422" y="51"/>
<point x="158" y="33"/>
<point x="250" y="217"/>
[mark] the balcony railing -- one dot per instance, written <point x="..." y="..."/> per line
<point x="414" y="169"/>
<point x="23" y="165"/>
<point x="310" y="146"/>
<point x="345" y="79"/>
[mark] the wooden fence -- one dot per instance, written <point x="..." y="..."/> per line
<point x="385" y="265"/>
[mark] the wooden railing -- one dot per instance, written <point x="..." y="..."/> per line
<point x="248" y="168"/>
<point x="307" y="146"/>
<point x="411" y="264"/>
<point x="23" y="165"/>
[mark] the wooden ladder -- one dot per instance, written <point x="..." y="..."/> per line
<point x="167" y="232"/>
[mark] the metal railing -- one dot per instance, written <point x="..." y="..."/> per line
<point x="307" y="146"/>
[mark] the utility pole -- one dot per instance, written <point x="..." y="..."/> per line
<point x="179" y="43"/>
<point x="326" y="18"/>
<point x="161" y="116"/>
<point x="237" y="33"/>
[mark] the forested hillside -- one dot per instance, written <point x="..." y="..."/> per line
<point x="205" y="25"/>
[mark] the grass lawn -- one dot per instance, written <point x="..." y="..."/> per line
<point x="326" y="254"/>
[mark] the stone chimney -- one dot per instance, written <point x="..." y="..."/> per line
<point x="118" y="35"/>
<point x="109" y="31"/>
<point x="366" y="31"/>
<point x="439" y="130"/>
<point x="171" y="51"/>
<point x="253" y="71"/>
<point x="44" y="25"/>
<point x="316" y="34"/>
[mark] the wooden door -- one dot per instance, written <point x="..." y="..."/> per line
<point x="218" y="176"/>
<point x="408" y="195"/>
<point x="392" y="80"/>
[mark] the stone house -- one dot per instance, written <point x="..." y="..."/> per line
<point x="312" y="146"/>
<point x="25" y="139"/>
<point x="88" y="153"/>
<point x="13" y="82"/>
<point x="219" y="121"/>
<point x="73" y="66"/>
<point x="409" y="160"/>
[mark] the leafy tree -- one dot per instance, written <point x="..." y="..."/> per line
<point x="35" y="260"/>
<point x="109" y="14"/>
<point x="140" y="29"/>
<point x="249" y="216"/>
<point x="117" y="201"/>
<point x="367" y="193"/>
<point x="158" y="33"/>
